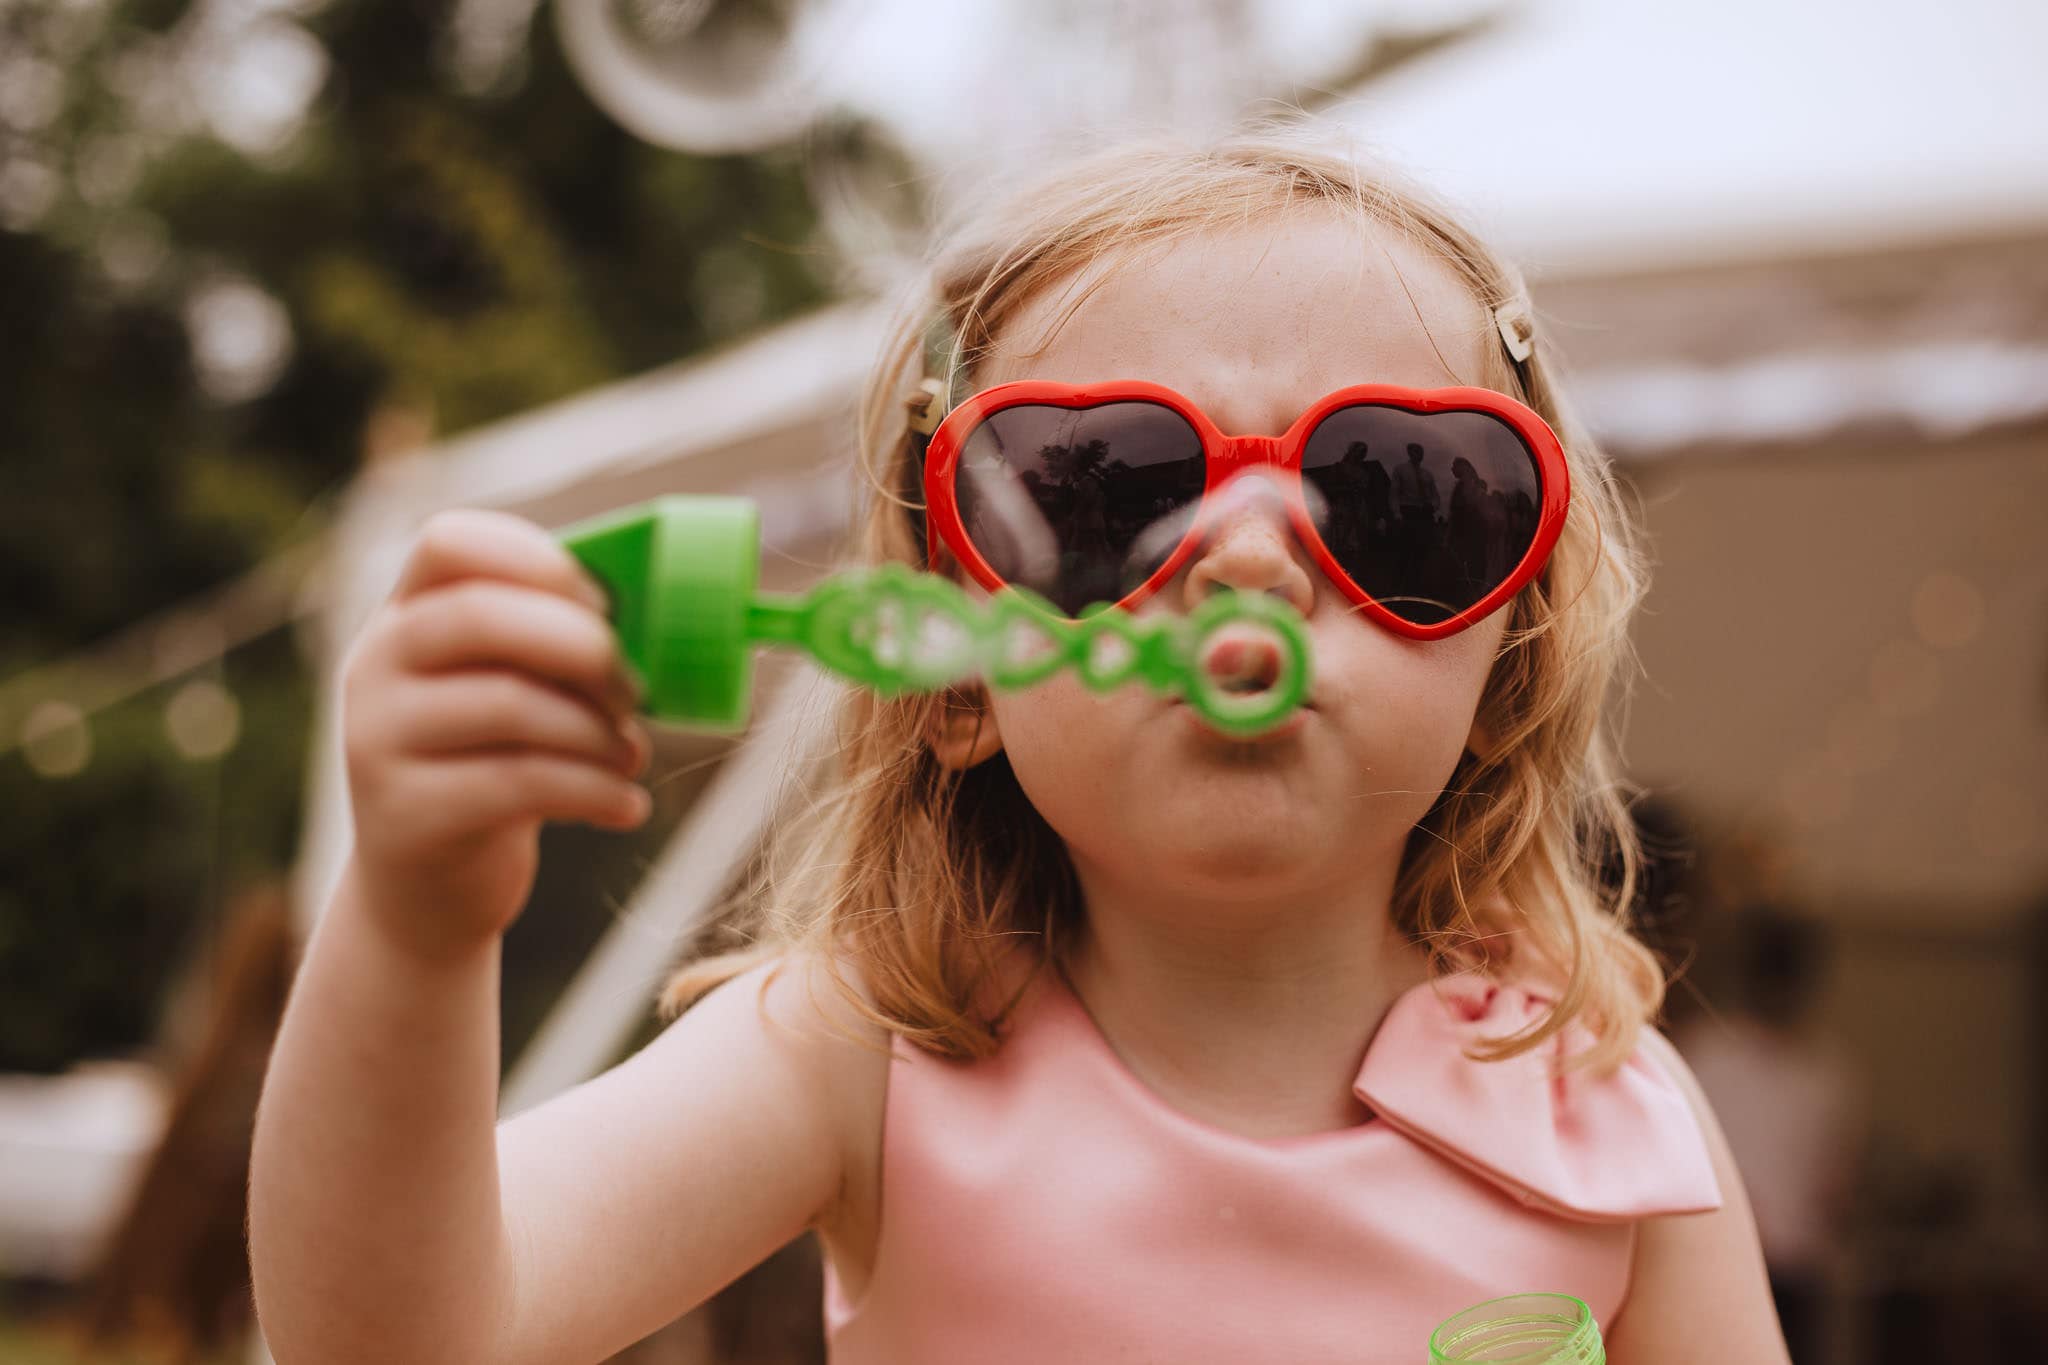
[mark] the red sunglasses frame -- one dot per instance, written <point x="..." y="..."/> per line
<point x="1225" y="456"/>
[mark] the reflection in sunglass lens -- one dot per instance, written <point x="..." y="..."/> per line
<point x="1428" y="512"/>
<point x="1060" y="500"/>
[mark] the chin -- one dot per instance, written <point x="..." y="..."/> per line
<point x="1251" y="857"/>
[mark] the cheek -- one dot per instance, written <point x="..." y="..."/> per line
<point x="1068" y="745"/>
<point x="1406" y="706"/>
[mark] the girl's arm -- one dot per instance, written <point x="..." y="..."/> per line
<point x="1698" y="1292"/>
<point x="390" y="1223"/>
<point x="389" y="1220"/>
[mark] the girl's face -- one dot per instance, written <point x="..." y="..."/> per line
<point x="1254" y="325"/>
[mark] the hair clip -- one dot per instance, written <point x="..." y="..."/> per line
<point x="1517" y="328"/>
<point x="926" y="407"/>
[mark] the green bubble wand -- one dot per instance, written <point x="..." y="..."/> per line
<point x="682" y="575"/>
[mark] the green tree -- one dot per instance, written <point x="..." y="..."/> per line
<point x="465" y="255"/>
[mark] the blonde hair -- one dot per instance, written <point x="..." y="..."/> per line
<point x="923" y="883"/>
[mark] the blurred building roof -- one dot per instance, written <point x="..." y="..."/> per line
<point x="1604" y="135"/>
<point x="1927" y="340"/>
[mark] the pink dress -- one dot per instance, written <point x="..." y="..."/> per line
<point x="1044" y="1206"/>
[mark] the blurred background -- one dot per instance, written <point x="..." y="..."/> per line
<point x="280" y="278"/>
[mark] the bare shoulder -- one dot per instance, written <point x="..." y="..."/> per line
<point x="811" y="1016"/>
<point x="823" y="1011"/>
<point x="816" y="1015"/>
<point x="1698" y="1290"/>
<point x="752" y="1117"/>
<point x="814" y="1010"/>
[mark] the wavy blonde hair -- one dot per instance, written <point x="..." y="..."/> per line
<point x="926" y="882"/>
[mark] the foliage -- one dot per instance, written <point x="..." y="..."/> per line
<point x="454" y="255"/>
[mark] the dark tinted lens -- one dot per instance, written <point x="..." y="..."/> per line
<point x="1428" y="512"/>
<point x="1080" y="504"/>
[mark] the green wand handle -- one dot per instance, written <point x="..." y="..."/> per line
<point x="682" y="574"/>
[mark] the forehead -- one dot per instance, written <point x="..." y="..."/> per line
<point x="1255" y="321"/>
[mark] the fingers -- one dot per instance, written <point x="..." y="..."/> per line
<point x="444" y="799"/>
<point x="490" y="691"/>
<point x="467" y="543"/>
<point x="460" y="713"/>
<point x="483" y="624"/>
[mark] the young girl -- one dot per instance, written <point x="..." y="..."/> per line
<point x="1099" y="1035"/>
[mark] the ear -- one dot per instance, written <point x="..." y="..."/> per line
<point x="962" y="730"/>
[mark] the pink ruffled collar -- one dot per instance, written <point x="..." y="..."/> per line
<point x="1596" y="1148"/>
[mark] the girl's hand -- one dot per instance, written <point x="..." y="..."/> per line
<point x="486" y="696"/>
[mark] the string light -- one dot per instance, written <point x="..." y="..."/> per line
<point x="55" y="740"/>
<point x="204" y="719"/>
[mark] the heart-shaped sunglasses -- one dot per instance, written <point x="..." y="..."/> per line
<point x="1427" y="508"/>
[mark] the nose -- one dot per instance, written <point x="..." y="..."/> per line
<point x="1249" y="545"/>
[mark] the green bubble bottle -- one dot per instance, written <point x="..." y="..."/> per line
<point x="1521" y="1329"/>
<point x="681" y="573"/>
